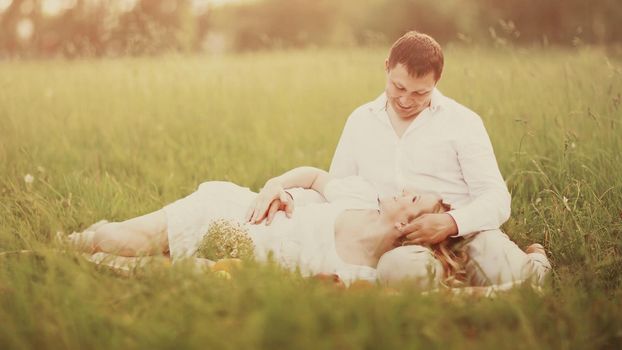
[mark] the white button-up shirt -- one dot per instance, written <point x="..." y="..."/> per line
<point x="445" y="149"/>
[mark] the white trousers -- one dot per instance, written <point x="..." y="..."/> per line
<point x="494" y="259"/>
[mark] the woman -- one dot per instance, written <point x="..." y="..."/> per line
<point x="345" y="236"/>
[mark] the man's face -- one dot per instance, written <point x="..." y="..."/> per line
<point x="408" y="95"/>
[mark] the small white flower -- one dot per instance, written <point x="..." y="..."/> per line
<point x="29" y="179"/>
<point x="565" y="200"/>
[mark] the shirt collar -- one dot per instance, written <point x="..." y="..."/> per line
<point x="379" y="105"/>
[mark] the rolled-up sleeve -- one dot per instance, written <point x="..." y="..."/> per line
<point x="490" y="201"/>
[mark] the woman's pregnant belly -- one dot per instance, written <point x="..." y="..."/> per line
<point x="304" y="241"/>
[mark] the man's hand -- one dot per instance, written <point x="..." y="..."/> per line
<point x="428" y="229"/>
<point x="270" y="199"/>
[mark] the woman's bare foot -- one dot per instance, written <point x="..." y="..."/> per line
<point x="84" y="240"/>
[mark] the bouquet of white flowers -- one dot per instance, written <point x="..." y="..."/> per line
<point x="224" y="240"/>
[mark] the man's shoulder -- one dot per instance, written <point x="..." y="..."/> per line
<point x="459" y="112"/>
<point x="366" y="110"/>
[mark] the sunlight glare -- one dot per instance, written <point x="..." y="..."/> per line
<point x="126" y="5"/>
<point x="25" y="28"/>
<point x="56" y="7"/>
<point x="51" y="7"/>
<point x="4" y="4"/>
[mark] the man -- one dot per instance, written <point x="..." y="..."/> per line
<point x="412" y="136"/>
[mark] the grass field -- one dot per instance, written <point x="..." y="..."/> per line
<point x="117" y="138"/>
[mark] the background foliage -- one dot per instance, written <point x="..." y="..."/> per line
<point x="72" y="28"/>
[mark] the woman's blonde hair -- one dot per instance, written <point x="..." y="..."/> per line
<point x="453" y="256"/>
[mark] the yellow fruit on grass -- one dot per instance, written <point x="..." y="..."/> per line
<point x="360" y="285"/>
<point x="330" y="279"/>
<point x="227" y="265"/>
<point x="390" y="291"/>
<point x="223" y="274"/>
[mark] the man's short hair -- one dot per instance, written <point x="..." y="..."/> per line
<point x="419" y="53"/>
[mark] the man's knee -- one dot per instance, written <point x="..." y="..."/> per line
<point x="413" y="263"/>
<point x="495" y="259"/>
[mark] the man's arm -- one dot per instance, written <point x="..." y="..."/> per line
<point x="491" y="202"/>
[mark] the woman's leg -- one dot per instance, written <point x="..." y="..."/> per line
<point x="143" y="235"/>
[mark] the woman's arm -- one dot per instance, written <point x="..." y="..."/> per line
<point x="273" y="197"/>
<point x="305" y="177"/>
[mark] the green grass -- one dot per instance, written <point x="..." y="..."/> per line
<point x="117" y="138"/>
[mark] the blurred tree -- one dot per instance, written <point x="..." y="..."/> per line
<point x="138" y="27"/>
<point x="155" y="26"/>
<point x="562" y="22"/>
<point x="96" y="28"/>
<point x="280" y="23"/>
<point x="19" y="25"/>
<point x="394" y="18"/>
<point x="79" y="31"/>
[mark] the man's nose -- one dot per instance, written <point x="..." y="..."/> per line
<point x="405" y="100"/>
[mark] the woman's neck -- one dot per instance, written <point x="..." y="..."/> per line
<point x="362" y="237"/>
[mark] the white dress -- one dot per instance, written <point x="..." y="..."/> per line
<point x="306" y="241"/>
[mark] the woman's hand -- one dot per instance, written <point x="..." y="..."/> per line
<point x="271" y="198"/>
